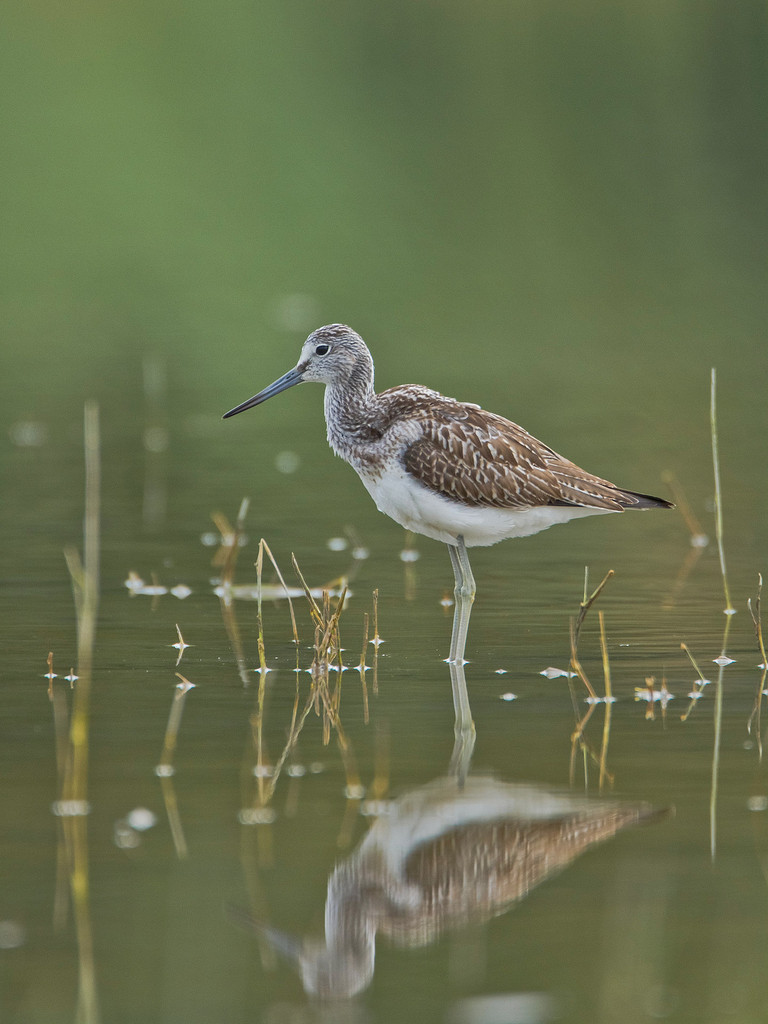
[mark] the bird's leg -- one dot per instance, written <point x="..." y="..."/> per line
<point x="463" y="728"/>
<point x="464" y="595"/>
<point x="468" y="579"/>
<point x="453" y="551"/>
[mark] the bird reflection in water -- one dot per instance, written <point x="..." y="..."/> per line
<point x="459" y="850"/>
<point x="443" y="855"/>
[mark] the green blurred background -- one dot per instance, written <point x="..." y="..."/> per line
<point x="564" y="186"/>
<point x="556" y="209"/>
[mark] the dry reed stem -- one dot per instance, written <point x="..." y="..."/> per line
<point x="376" y="641"/>
<point x="577" y="737"/>
<point x="226" y="559"/>
<point x="699" y="540"/>
<point x="757" y="709"/>
<point x="684" y="507"/>
<point x="85" y="586"/>
<point x="604" y="774"/>
<point x="362" y="669"/>
<point x="729" y="609"/>
<point x="165" y="767"/>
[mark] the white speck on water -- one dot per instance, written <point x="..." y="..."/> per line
<point x="409" y="555"/>
<point x="141" y="818"/>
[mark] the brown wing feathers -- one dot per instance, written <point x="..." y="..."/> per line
<point x="478" y="458"/>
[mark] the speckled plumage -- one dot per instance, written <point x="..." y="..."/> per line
<point x="441" y="467"/>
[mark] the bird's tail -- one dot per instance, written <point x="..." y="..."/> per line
<point x="631" y="499"/>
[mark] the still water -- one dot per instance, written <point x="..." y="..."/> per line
<point x="556" y="213"/>
<point x="373" y="842"/>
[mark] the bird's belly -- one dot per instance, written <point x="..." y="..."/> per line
<point x="421" y="510"/>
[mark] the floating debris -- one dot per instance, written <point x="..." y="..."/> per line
<point x="70" y="808"/>
<point x="181" y="646"/>
<point x="501" y="671"/>
<point x="723" y="660"/>
<point x="409" y="555"/>
<point x="600" y="700"/>
<point x="296" y="771"/>
<point x="757" y="803"/>
<point x="375" y="808"/>
<point x="557" y="673"/>
<point x="136" y="585"/>
<point x="141" y="819"/>
<point x="125" y="837"/>
<point x="272" y="591"/>
<point x="337" y="543"/>
<point x="354" y="791"/>
<point x="653" y="696"/>
<point x="181" y="591"/>
<point x="184" y="685"/>
<point x="508" y="696"/>
<point x="257" y="816"/>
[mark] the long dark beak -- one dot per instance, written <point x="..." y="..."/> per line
<point x="282" y="943"/>
<point x="294" y="376"/>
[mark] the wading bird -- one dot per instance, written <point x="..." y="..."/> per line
<point x="443" y="468"/>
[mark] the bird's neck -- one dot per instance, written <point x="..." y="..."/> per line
<point x="349" y="410"/>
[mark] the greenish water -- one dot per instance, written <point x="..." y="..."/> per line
<point x="556" y="212"/>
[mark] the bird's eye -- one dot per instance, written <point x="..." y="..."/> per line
<point x="322" y="350"/>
